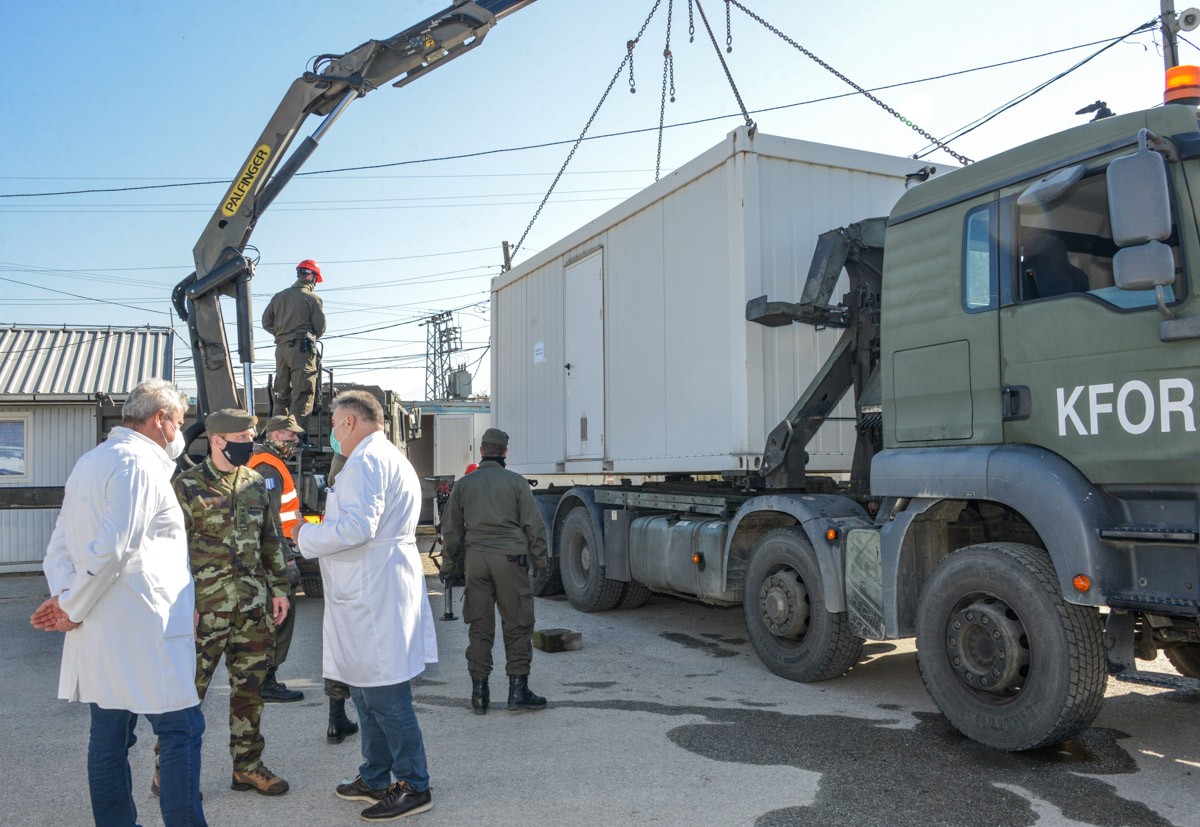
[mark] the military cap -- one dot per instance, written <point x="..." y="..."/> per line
<point x="229" y="421"/>
<point x="495" y="436"/>
<point x="282" y="423"/>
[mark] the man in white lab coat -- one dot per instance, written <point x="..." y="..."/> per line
<point x="121" y="590"/>
<point x="378" y="626"/>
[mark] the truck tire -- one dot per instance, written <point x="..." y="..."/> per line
<point x="548" y="581"/>
<point x="1185" y="659"/>
<point x="634" y="596"/>
<point x="311" y="585"/>
<point x="1006" y="659"/>
<point x="582" y="575"/>
<point x="783" y="601"/>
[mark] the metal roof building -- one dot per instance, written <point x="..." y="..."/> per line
<point x="61" y="389"/>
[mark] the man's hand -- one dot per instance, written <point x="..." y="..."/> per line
<point x="49" y="617"/>
<point x="293" y="573"/>
<point x="279" y="606"/>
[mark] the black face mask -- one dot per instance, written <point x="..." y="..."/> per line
<point x="238" y="453"/>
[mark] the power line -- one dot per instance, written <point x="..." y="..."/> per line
<point x="547" y="144"/>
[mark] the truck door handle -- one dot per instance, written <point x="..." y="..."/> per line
<point x="1016" y="403"/>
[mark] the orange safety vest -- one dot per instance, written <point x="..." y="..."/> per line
<point x="289" y="502"/>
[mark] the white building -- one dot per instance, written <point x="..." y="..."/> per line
<point x="61" y="390"/>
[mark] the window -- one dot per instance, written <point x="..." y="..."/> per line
<point x="1065" y="246"/>
<point x="979" y="260"/>
<point x="14" y="447"/>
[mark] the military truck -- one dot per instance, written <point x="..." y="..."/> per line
<point x="1022" y="340"/>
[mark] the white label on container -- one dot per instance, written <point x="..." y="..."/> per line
<point x="539" y="353"/>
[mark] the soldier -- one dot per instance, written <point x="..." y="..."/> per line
<point x="493" y="521"/>
<point x="280" y="437"/>
<point x="241" y="584"/>
<point x="296" y="318"/>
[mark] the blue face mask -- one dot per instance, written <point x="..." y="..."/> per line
<point x="334" y="443"/>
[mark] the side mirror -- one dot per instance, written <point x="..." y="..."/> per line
<point x="1144" y="267"/>
<point x="1139" y="201"/>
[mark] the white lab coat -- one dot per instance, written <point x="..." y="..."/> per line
<point x="378" y="627"/>
<point x="118" y="562"/>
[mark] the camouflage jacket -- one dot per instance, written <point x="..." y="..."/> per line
<point x="234" y="546"/>
<point x="293" y="312"/>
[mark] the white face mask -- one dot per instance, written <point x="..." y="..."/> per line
<point x="175" y="447"/>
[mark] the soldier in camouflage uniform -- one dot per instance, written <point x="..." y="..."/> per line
<point x="296" y="318"/>
<point x="241" y="584"/>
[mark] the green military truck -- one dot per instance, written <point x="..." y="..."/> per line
<point x="1023" y="343"/>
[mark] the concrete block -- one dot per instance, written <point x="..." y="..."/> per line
<point x="557" y="640"/>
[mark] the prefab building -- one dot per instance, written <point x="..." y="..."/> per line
<point x="624" y="347"/>
<point x="61" y="390"/>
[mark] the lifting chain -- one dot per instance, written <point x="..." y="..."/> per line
<point x="962" y="159"/>
<point x="728" y="29"/>
<point x="691" y="23"/>
<point x="616" y="75"/>
<point x="668" y="81"/>
<point x="728" y="75"/>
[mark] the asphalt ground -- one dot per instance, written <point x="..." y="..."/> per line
<point x="665" y="717"/>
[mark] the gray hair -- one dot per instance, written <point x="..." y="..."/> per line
<point x="362" y="404"/>
<point x="150" y="397"/>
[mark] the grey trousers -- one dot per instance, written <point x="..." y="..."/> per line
<point x="493" y="580"/>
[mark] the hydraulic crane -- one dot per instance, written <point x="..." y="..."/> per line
<point x="331" y="84"/>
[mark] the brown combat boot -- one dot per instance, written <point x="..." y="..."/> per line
<point x="261" y="780"/>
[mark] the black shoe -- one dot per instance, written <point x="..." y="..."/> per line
<point x="274" y="692"/>
<point x="519" y="696"/>
<point x="356" y="790"/>
<point x="400" y="801"/>
<point x="481" y="696"/>
<point x="340" y="727"/>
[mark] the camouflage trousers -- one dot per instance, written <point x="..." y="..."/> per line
<point x="247" y="640"/>
<point x="336" y="690"/>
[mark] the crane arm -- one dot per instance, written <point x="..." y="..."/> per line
<point x="333" y="82"/>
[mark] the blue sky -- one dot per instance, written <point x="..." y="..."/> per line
<point x="130" y="94"/>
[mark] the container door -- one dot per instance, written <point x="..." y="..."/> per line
<point x="453" y="443"/>
<point x="583" y="325"/>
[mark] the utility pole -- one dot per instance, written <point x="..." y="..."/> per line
<point x="1170" y="28"/>
<point x="507" y="257"/>
<point x="441" y="341"/>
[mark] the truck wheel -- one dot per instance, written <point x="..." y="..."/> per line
<point x="582" y="576"/>
<point x="634" y="596"/>
<point x="1008" y="661"/>
<point x="1185" y="659"/>
<point x="548" y="581"/>
<point x="784" y="605"/>
<point x="312" y="587"/>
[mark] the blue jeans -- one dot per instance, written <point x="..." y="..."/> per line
<point x="109" y="778"/>
<point x="391" y="739"/>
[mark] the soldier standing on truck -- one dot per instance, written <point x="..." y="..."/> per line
<point x="280" y="437"/>
<point x="296" y="318"/>
<point x="241" y="584"/>
<point x="492" y="521"/>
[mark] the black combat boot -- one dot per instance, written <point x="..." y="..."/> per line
<point x="480" y="695"/>
<point x="275" y="692"/>
<point x="339" y="725"/>
<point x="519" y="696"/>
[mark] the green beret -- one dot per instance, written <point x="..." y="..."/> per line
<point x="229" y="421"/>
<point x="282" y="423"/>
<point x="495" y="436"/>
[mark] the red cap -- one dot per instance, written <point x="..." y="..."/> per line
<point x="471" y="468"/>
<point x="310" y="265"/>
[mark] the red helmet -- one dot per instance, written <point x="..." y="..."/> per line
<point x="471" y="468"/>
<point x="311" y="266"/>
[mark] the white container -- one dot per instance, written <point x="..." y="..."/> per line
<point x="456" y="438"/>
<point x="624" y="347"/>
